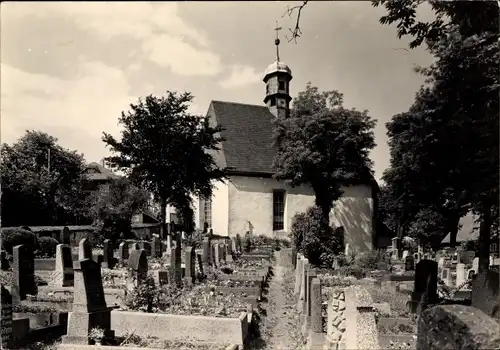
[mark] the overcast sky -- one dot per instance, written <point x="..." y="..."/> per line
<point x="69" y="69"/>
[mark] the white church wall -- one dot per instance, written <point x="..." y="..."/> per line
<point x="220" y="208"/>
<point x="251" y="209"/>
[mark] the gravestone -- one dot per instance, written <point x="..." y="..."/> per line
<point x="461" y="278"/>
<point x="156" y="247"/>
<point x="409" y="263"/>
<point x="146" y="246"/>
<point x="311" y="274"/>
<point x="23" y="270"/>
<point x="89" y="308"/>
<point x="425" y="286"/>
<point x="470" y="274"/>
<point x="107" y="256"/>
<point x="178" y="259"/>
<point x="303" y="282"/>
<point x="190" y="265"/>
<point x="206" y="253"/>
<point x="169" y="242"/>
<point x="137" y="268"/>
<point x="215" y="255"/>
<point x="200" y="264"/>
<point x="316" y="317"/>
<point x="6" y="318"/>
<point x="446" y="276"/>
<point x="406" y="253"/>
<point x="238" y="243"/>
<point x="4" y="261"/>
<point x="475" y="264"/>
<point x="65" y="276"/>
<point x="123" y="251"/>
<point x="222" y="252"/>
<point x="160" y="277"/>
<point x="417" y="257"/>
<point x="65" y="235"/>
<point x="485" y="292"/>
<point x="84" y="249"/>
<point x="175" y="267"/>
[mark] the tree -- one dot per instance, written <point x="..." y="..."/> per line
<point x="324" y="145"/>
<point x="41" y="182"/>
<point x="462" y="108"/>
<point x="112" y="209"/>
<point x="166" y="150"/>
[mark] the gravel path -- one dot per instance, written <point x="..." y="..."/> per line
<point x="279" y="334"/>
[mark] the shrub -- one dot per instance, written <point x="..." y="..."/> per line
<point x="352" y="270"/>
<point x="371" y="260"/>
<point x="143" y="297"/>
<point x="46" y="247"/>
<point x="14" y="236"/>
<point x="314" y="237"/>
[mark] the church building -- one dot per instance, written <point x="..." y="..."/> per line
<point x="251" y="200"/>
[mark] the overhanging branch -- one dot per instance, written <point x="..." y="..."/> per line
<point x="296" y="32"/>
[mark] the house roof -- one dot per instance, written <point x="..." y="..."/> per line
<point x="467" y="232"/>
<point x="96" y="172"/>
<point x="248" y="147"/>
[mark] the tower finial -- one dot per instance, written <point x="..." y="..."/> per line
<point x="277" y="41"/>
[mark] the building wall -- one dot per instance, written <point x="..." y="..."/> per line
<point x="250" y="204"/>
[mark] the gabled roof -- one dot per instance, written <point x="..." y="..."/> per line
<point x="249" y="136"/>
<point x="96" y="171"/>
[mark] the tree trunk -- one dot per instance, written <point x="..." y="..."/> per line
<point x="163" y="218"/>
<point x="453" y="229"/>
<point x="484" y="237"/>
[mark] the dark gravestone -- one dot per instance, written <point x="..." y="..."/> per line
<point x="238" y="243"/>
<point x="425" y="286"/>
<point x="123" y="251"/>
<point x="23" y="270"/>
<point x="146" y="246"/>
<point x="107" y="254"/>
<point x="409" y="263"/>
<point x="156" y="247"/>
<point x="450" y="327"/>
<point x="484" y="294"/>
<point x="137" y="268"/>
<point x="84" y="249"/>
<point x="4" y="261"/>
<point x="214" y="254"/>
<point x="175" y="265"/>
<point x="190" y="265"/>
<point x="65" y="236"/>
<point x="206" y="252"/>
<point x="89" y="305"/>
<point x="6" y="318"/>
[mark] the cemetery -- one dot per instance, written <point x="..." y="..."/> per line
<point x="127" y="297"/>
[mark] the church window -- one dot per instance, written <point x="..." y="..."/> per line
<point x="273" y="102"/>
<point x="281" y="85"/>
<point x="205" y="212"/>
<point x="278" y="210"/>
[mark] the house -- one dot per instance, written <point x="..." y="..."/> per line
<point x="99" y="178"/>
<point x="251" y="200"/>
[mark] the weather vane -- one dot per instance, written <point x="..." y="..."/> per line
<point x="277" y="41"/>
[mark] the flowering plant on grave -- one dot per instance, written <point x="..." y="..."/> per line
<point x="96" y="334"/>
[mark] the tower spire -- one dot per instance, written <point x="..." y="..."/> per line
<point x="277" y="41"/>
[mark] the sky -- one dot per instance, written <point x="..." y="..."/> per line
<point x="70" y="69"/>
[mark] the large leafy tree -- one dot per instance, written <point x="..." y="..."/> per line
<point x="324" y="145"/>
<point x="112" y="208"/>
<point x="167" y="151"/>
<point x="459" y="110"/>
<point x="41" y="182"/>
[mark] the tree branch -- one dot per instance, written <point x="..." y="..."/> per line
<point x="296" y="32"/>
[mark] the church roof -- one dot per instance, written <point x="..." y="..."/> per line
<point x="249" y="137"/>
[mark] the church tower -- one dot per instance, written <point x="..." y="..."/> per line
<point x="277" y="78"/>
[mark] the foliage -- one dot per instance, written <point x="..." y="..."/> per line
<point x="313" y="237"/>
<point x="167" y="151"/>
<point x="372" y="260"/>
<point x="51" y="196"/>
<point x="33" y="309"/>
<point x="46" y="247"/>
<point x="13" y="236"/>
<point x="143" y="297"/>
<point x="449" y="137"/>
<point x="324" y="145"/>
<point x="352" y="270"/>
<point x="113" y="209"/>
